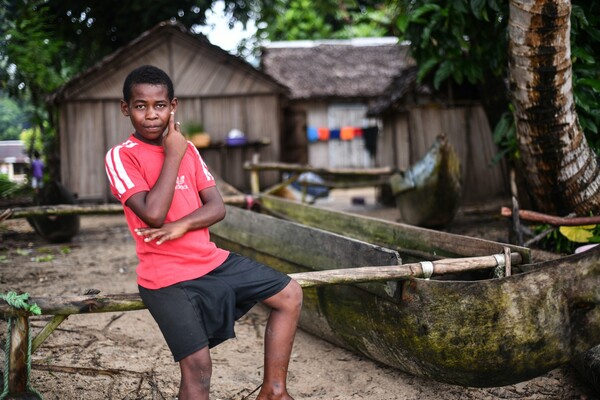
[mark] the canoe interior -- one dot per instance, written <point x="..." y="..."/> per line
<point x="412" y="242"/>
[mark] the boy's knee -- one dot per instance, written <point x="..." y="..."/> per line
<point x="197" y="364"/>
<point x="295" y="294"/>
<point x="288" y="300"/>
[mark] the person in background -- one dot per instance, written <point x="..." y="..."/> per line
<point x="37" y="172"/>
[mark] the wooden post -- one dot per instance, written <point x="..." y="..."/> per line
<point x="507" y="258"/>
<point x="254" y="183"/>
<point x="18" y="375"/>
<point x="517" y="223"/>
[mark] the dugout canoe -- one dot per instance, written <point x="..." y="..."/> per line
<point x="482" y="333"/>
<point x="428" y="193"/>
<point x="55" y="228"/>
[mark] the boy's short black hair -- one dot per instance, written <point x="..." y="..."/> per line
<point x="147" y="74"/>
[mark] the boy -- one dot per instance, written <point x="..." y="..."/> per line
<point x="194" y="290"/>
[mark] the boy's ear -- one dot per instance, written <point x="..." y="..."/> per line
<point x="125" y="108"/>
<point x="174" y="103"/>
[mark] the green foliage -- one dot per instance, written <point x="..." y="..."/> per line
<point x="467" y="41"/>
<point x="585" y="42"/>
<point x="581" y="234"/>
<point x="373" y="23"/>
<point x="327" y="19"/>
<point x="299" y="21"/>
<point x="10" y="189"/>
<point x="554" y="241"/>
<point x="505" y="137"/>
<point x="32" y="138"/>
<point x="453" y="39"/>
<point x="12" y="119"/>
<point x="30" y="51"/>
<point x="192" y="127"/>
<point x="566" y="239"/>
<point x="94" y="29"/>
<point x="44" y="258"/>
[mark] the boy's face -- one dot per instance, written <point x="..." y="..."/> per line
<point x="149" y="110"/>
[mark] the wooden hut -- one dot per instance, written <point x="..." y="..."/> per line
<point x="370" y="84"/>
<point x="332" y="83"/>
<point x="414" y="114"/>
<point x="216" y="89"/>
<point x="14" y="161"/>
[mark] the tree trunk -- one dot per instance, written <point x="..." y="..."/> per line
<point x="561" y="170"/>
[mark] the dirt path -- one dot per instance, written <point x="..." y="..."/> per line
<point x="123" y="356"/>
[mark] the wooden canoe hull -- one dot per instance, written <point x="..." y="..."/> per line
<point x="482" y="333"/>
<point x="58" y="228"/>
<point x="428" y="193"/>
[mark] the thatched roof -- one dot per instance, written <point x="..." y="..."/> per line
<point x="397" y="90"/>
<point x="357" y="68"/>
<point x="405" y="90"/>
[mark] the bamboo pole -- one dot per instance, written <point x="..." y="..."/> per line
<point x="47" y="331"/>
<point x="89" y="209"/>
<point x="65" y="209"/>
<point x="67" y="305"/>
<point x="254" y="177"/>
<point x="397" y="272"/>
<point x="276" y="166"/>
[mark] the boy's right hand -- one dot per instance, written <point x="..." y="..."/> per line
<point x="174" y="143"/>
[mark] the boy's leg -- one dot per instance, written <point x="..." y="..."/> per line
<point x="279" y="339"/>
<point x="196" y="371"/>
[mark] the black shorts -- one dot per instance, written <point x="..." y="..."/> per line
<point x="201" y="312"/>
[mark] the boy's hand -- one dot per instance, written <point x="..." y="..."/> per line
<point x="169" y="231"/>
<point x="174" y="143"/>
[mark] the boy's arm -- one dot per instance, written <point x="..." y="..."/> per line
<point x="212" y="211"/>
<point x="152" y="207"/>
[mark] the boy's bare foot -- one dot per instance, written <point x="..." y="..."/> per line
<point x="262" y="396"/>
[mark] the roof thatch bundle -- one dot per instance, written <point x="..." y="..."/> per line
<point x="336" y="68"/>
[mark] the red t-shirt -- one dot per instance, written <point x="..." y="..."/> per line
<point x="133" y="167"/>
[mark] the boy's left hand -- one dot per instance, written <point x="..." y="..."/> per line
<point x="169" y="231"/>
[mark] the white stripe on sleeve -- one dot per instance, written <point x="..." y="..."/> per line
<point x="207" y="174"/>
<point x="116" y="171"/>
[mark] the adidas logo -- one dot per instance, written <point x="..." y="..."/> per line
<point x="180" y="183"/>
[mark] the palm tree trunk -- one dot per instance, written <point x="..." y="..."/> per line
<point x="560" y="169"/>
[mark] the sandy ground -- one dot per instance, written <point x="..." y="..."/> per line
<point x="122" y="355"/>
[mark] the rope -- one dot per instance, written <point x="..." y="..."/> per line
<point x="18" y="301"/>
<point x="500" y="270"/>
